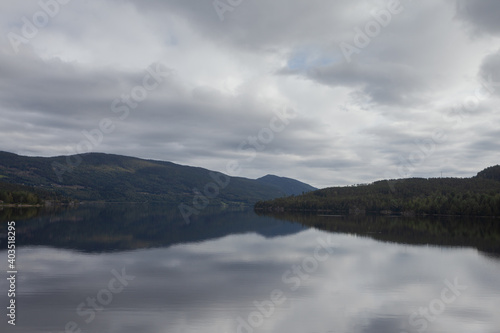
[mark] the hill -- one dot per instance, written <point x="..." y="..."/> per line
<point x="476" y="196"/>
<point x="288" y="185"/>
<point x="115" y="178"/>
<point x="490" y="173"/>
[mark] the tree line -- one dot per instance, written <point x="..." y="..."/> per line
<point x="19" y="197"/>
<point x="11" y="194"/>
<point x="476" y="196"/>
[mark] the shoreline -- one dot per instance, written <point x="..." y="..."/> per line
<point x="321" y="212"/>
<point x="20" y="205"/>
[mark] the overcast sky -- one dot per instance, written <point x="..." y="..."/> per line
<point x="364" y="90"/>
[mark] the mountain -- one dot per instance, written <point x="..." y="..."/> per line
<point x="288" y="185"/>
<point x="115" y="178"/>
<point x="476" y="196"/>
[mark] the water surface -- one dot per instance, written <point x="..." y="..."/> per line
<point x="143" y="269"/>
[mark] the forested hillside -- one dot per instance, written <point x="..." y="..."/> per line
<point x="479" y="195"/>
<point x="115" y="178"/>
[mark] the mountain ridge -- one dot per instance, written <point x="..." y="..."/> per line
<point x="115" y="178"/>
<point x="289" y="185"/>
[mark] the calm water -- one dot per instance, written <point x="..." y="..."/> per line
<point x="142" y="269"/>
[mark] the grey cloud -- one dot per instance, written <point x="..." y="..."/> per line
<point x="382" y="83"/>
<point x="258" y="26"/>
<point x="333" y="162"/>
<point x="51" y="83"/>
<point x="490" y="74"/>
<point x="482" y="147"/>
<point x="482" y="15"/>
<point x="202" y="120"/>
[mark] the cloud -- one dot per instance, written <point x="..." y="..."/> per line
<point x="257" y="27"/>
<point x="382" y="83"/>
<point x="229" y="78"/>
<point x="490" y="73"/>
<point x="481" y="15"/>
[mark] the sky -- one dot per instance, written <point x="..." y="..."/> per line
<point x="327" y="92"/>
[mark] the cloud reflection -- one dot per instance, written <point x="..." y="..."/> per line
<point x="364" y="286"/>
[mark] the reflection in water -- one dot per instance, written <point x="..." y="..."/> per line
<point x="23" y="213"/>
<point x="228" y="281"/>
<point x="123" y="227"/>
<point x="481" y="233"/>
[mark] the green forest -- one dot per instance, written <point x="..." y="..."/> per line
<point x="19" y="197"/>
<point x="476" y="196"/>
<point x="17" y="194"/>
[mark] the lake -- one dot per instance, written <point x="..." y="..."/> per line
<point x="141" y="268"/>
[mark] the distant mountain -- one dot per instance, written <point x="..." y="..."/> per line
<point x="476" y="196"/>
<point x="288" y="185"/>
<point x="115" y="178"/>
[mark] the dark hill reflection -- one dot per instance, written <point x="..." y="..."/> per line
<point x="118" y="227"/>
<point x="480" y="233"/>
